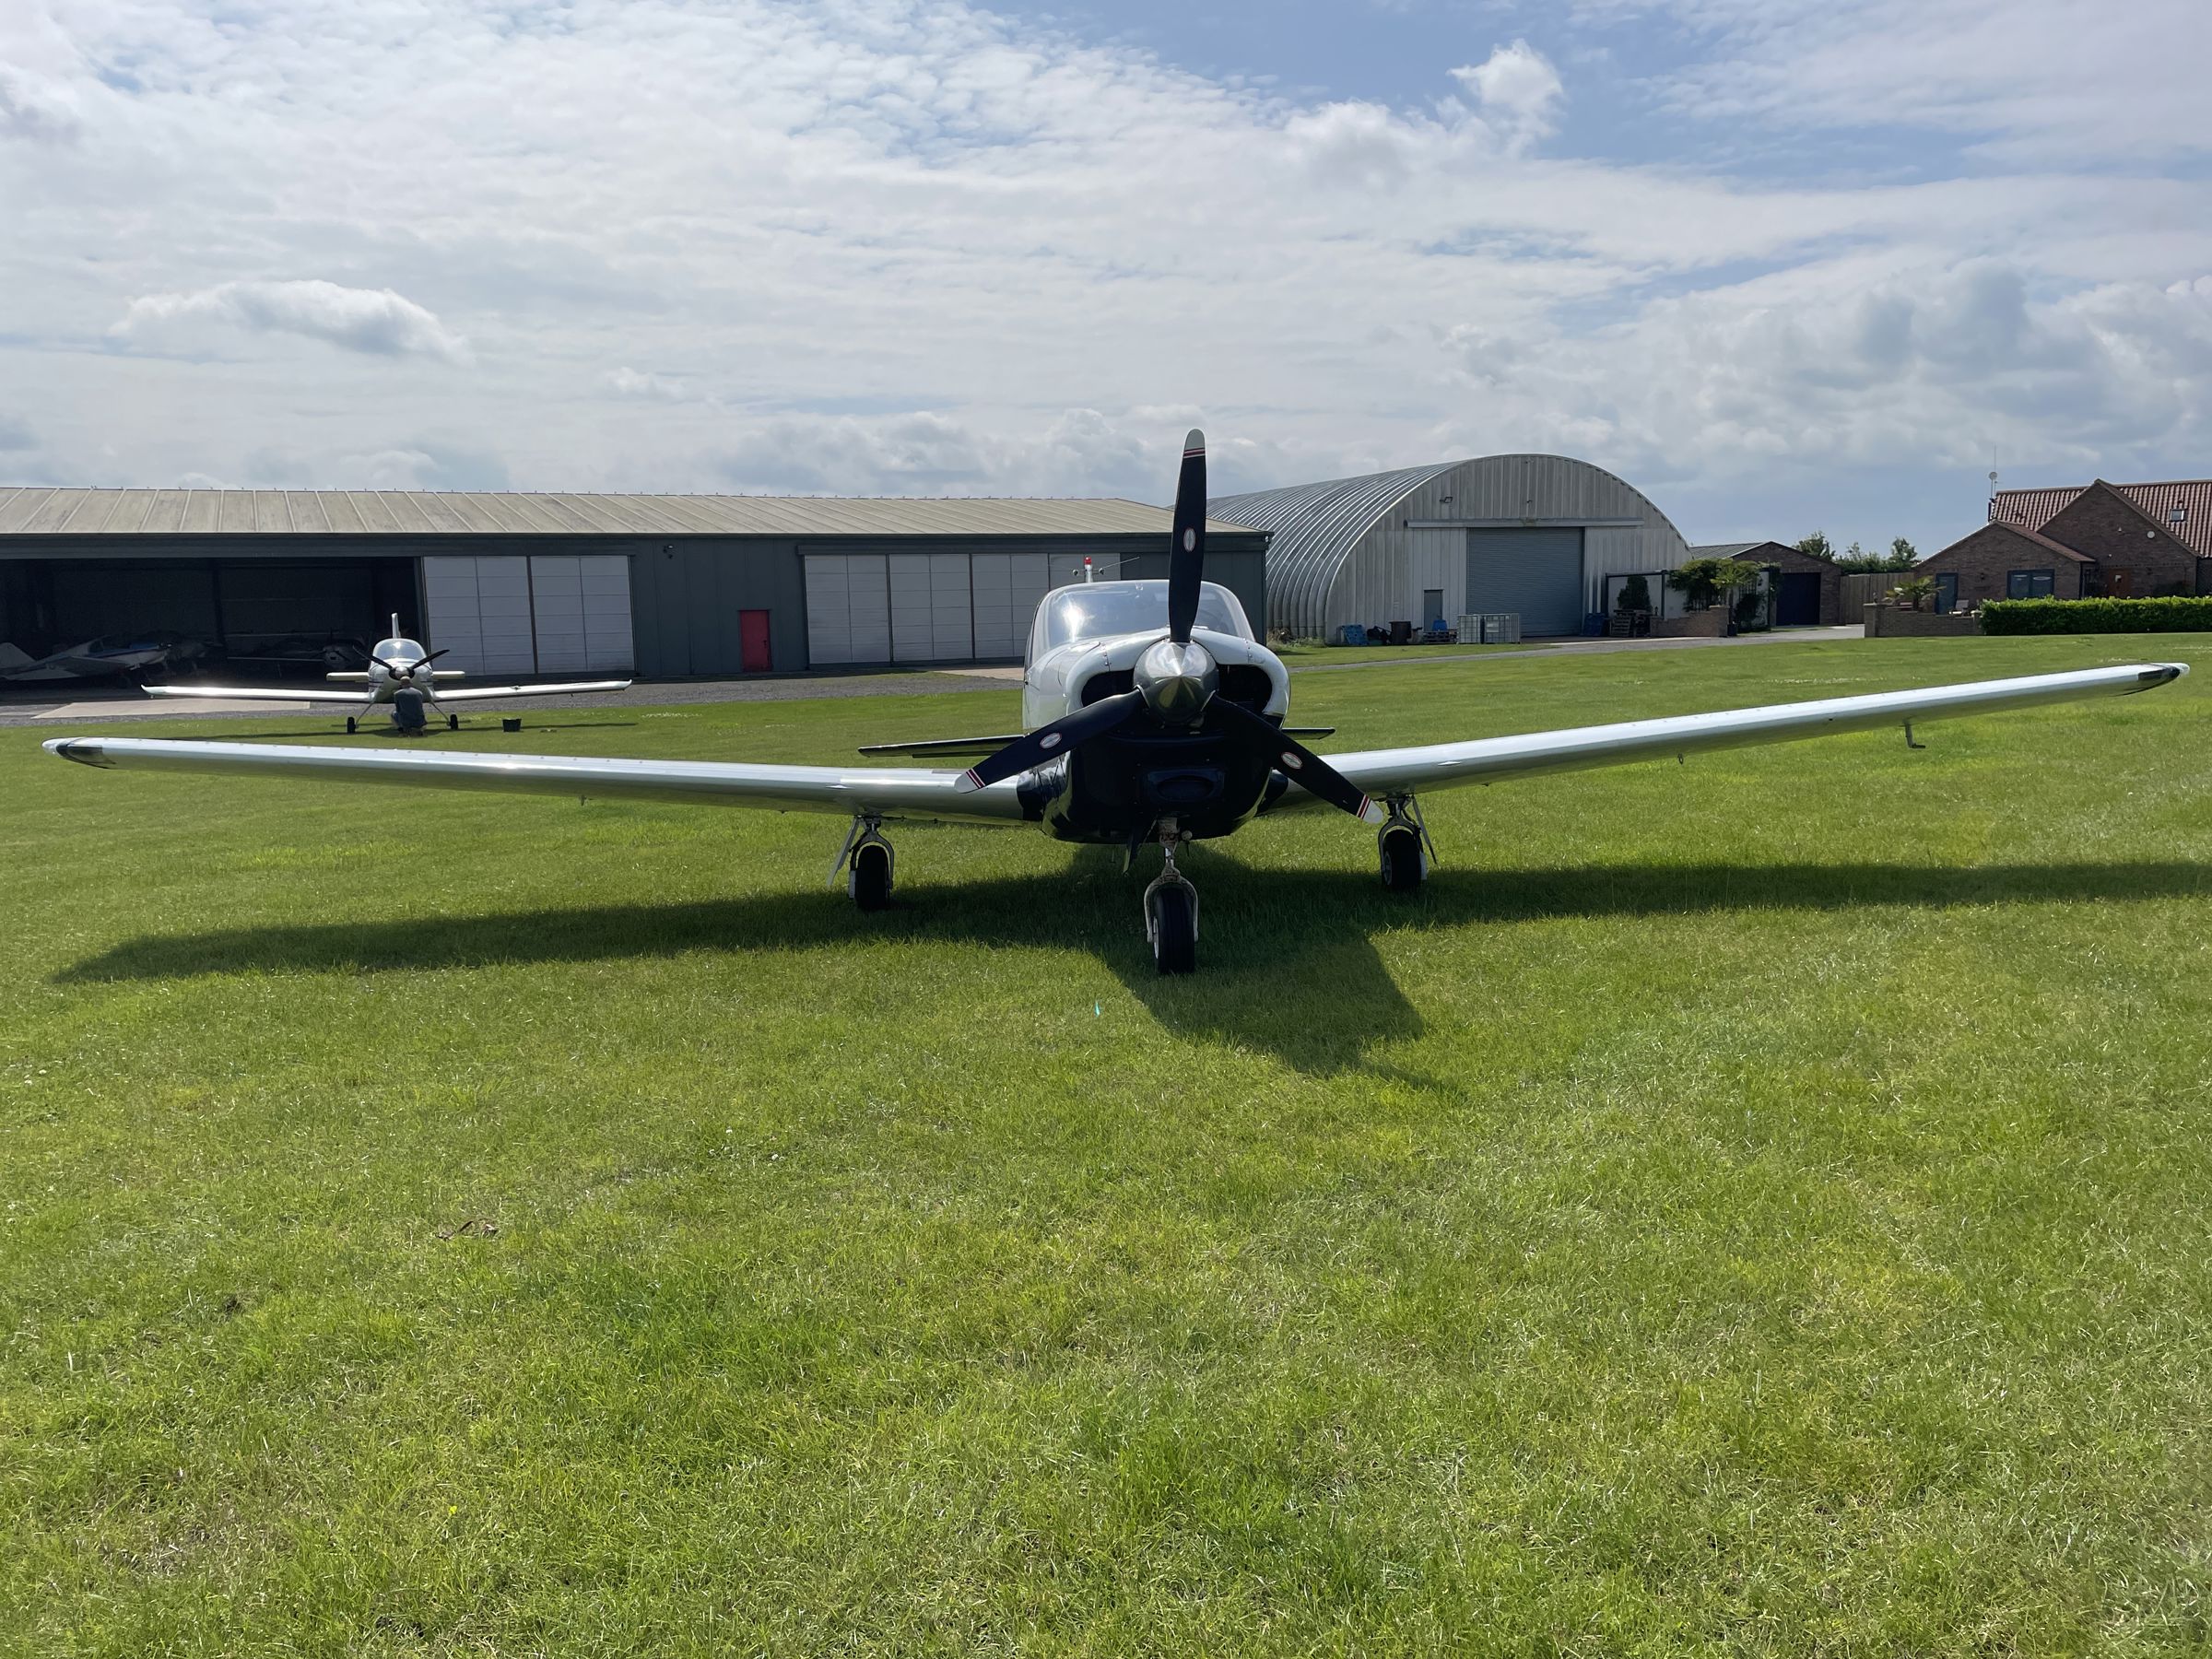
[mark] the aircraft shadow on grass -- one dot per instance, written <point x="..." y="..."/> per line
<point x="1257" y="927"/>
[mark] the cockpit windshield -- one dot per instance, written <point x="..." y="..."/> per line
<point x="397" y="650"/>
<point x="1099" y="609"/>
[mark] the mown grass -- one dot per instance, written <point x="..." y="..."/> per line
<point x="1757" y="1206"/>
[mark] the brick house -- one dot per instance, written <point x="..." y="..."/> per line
<point x="2077" y="543"/>
<point x="2004" y="561"/>
<point x="1810" y="592"/>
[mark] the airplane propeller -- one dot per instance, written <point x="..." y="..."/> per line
<point x="407" y="670"/>
<point x="1177" y="680"/>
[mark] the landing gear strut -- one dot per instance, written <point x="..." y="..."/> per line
<point x="1403" y="841"/>
<point x="1172" y="912"/>
<point x="866" y="859"/>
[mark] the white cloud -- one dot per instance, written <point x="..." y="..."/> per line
<point x="1956" y="368"/>
<point x="1518" y="91"/>
<point x="37" y="109"/>
<point x="627" y="382"/>
<point x="378" y="322"/>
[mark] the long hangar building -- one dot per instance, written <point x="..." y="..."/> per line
<point x="668" y="586"/>
<point x="663" y="587"/>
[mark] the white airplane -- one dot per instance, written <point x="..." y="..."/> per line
<point x="1153" y="716"/>
<point x="399" y="676"/>
<point x="118" y="657"/>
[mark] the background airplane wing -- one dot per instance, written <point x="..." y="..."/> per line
<point x="1383" y="773"/>
<point x="893" y="792"/>
<point x="312" y="694"/>
<point x="446" y="694"/>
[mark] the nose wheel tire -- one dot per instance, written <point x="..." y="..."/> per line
<point x="453" y="722"/>
<point x="1175" y="930"/>
<point x="1405" y="863"/>
<point x="352" y="726"/>
<point x="870" y="879"/>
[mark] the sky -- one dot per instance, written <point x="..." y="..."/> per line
<point x="1783" y="264"/>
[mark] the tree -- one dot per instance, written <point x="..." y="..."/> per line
<point x="1817" y="544"/>
<point x="1701" y="582"/>
<point x="1635" y="595"/>
<point x="1904" y="555"/>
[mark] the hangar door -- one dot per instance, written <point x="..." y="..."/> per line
<point x="928" y="608"/>
<point x="1537" y="572"/>
<point x="557" y="613"/>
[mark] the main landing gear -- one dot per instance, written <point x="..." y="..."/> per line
<point x="1403" y="841"/>
<point x="866" y="859"/>
<point x="1172" y="912"/>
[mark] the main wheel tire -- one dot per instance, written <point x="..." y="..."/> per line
<point x="1402" y="866"/>
<point x="871" y="879"/>
<point x="1174" y="931"/>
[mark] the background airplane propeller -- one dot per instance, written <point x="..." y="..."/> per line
<point x="407" y="670"/>
<point x="1176" y="679"/>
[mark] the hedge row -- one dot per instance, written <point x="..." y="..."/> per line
<point x="2096" y="616"/>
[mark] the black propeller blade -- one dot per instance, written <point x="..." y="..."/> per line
<point x="1306" y="769"/>
<point x="1050" y="742"/>
<point x="1186" y="556"/>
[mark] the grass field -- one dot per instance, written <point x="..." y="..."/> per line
<point x="1757" y="1206"/>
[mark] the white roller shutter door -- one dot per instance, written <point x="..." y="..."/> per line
<point x="542" y="612"/>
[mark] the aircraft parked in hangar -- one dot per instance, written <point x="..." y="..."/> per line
<point x="400" y="678"/>
<point x="1153" y="716"/>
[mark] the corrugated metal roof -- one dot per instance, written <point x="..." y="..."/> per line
<point x="2032" y="508"/>
<point x="1315" y="527"/>
<point x="32" y="509"/>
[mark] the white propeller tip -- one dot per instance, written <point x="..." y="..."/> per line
<point x="1371" y="814"/>
<point x="967" y="783"/>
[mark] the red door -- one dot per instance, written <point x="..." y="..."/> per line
<point x="752" y="635"/>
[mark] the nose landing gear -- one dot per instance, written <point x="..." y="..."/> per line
<point x="1403" y="842"/>
<point x="1172" y="912"/>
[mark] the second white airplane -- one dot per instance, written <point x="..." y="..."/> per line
<point x="399" y="678"/>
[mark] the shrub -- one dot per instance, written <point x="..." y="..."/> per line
<point x="1635" y="595"/>
<point x="2096" y="616"/>
<point x="1701" y="582"/>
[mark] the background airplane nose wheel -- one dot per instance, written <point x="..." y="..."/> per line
<point x="453" y="722"/>
<point x="1404" y="864"/>
<point x="352" y="725"/>
<point x="870" y="881"/>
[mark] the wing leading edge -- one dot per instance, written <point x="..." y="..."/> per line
<point x="1383" y="773"/>
<point x="906" y="793"/>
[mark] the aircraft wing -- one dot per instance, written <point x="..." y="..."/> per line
<point x="893" y="792"/>
<point x="477" y="693"/>
<point x="1383" y="773"/>
<point x="313" y="694"/>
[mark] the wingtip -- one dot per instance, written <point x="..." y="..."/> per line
<point x="85" y="751"/>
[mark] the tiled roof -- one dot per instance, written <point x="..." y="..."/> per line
<point x="2192" y="497"/>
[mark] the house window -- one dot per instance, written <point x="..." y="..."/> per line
<point x="2028" y="584"/>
